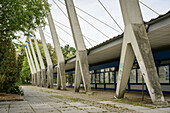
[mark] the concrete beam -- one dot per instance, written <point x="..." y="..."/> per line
<point x="80" y="46"/>
<point x="29" y="62"/>
<point x="60" y="58"/>
<point x="136" y="43"/>
<point x="48" y="59"/>
<point x="43" y="74"/>
<point x="36" y="63"/>
<point x="33" y="65"/>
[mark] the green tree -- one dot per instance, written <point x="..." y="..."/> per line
<point x="8" y="66"/>
<point x="25" y="72"/>
<point x="16" y="16"/>
<point x="68" y="51"/>
<point x="21" y="15"/>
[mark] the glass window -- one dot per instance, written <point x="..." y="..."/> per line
<point x="92" y="78"/>
<point x="133" y="76"/>
<point x="106" y="77"/>
<point x="107" y="69"/>
<point x="97" y="70"/>
<point x="139" y="76"/>
<point x="111" y="77"/>
<point x="164" y="74"/>
<point x="102" y="70"/>
<point x="97" y="78"/>
<point x="101" y="77"/>
<point x="92" y="71"/>
<point x="112" y="69"/>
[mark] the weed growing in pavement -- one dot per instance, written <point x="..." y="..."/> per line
<point x="65" y="107"/>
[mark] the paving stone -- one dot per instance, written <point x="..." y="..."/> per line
<point x="3" y="110"/>
<point x="42" y="102"/>
<point x="76" y="104"/>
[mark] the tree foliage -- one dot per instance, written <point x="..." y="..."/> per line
<point x="16" y="16"/>
<point x="68" y="51"/>
<point x="21" y="15"/>
<point x="8" y="66"/>
<point x="25" y="72"/>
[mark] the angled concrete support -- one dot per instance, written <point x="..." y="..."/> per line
<point x="36" y="63"/>
<point x="60" y="58"/>
<point x="82" y="60"/>
<point x="136" y="43"/>
<point x="48" y="59"/>
<point x="78" y="77"/>
<point x="33" y="65"/>
<point x="58" y="79"/>
<point x="29" y="62"/>
<point x="43" y="74"/>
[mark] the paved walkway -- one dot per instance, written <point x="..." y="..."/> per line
<point x="43" y="100"/>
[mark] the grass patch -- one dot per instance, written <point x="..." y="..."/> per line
<point x="137" y="102"/>
<point x="57" y="96"/>
<point x="126" y="101"/>
<point x="75" y="99"/>
<point x="64" y="106"/>
<point x="69" y="98"/>
<point x="48" y="91"/>
<point x="104" y="100"/>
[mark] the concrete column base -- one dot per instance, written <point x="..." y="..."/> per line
<point x="38" y="78"/>
<point x="35" y="79"/>
<point x="43" y="78"/>
<point x="84" y="69"/>
<point x="58" y="79"/>
<point x="77" y="77"/>
<point x="32" y="79"/>
<point x="62" y="74"/>
<point x="50" y="76"/>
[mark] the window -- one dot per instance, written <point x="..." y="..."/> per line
<point x="164" y="74"/>
<point x="92" y="78"/>
<point x="111" y="77"/>
<point x="139" y="76"/>
<point x="133" y="76"/>
<point x="106" y="77"/>
<point x="97" y="78"/>
<point x="101" y="77"/>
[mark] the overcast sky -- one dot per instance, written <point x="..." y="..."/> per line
<point x="94" y="8"/>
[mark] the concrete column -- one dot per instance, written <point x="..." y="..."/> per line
<point x="58" y="79"/>
<point x="80" y="45"/>
<point x="32" y="63"/>
<point x="29" y="62"/>
<point x="136" y="43"/>
<point x="78" y="77"/>
<point x="60" y="57"/>
<point x="36" y="63"/>
<point x="43" y="73"/>
<point x="48" y="59"/>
